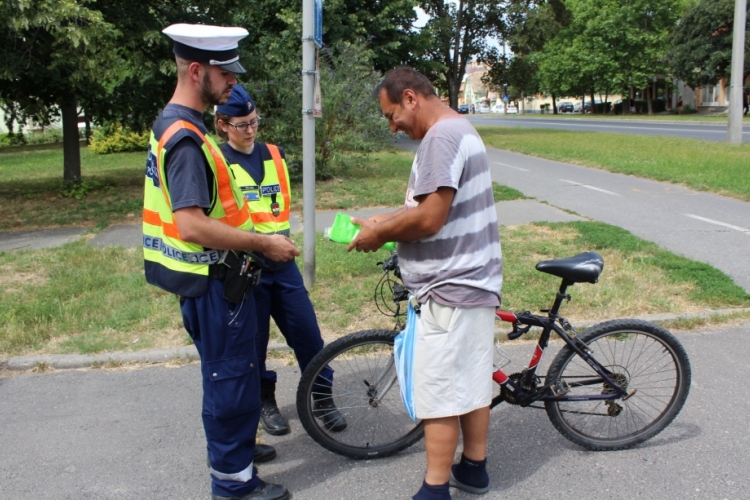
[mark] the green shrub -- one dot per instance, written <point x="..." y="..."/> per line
<point x="114" y="138"/>
<point x="48" y="136"/>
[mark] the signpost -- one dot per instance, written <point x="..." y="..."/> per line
<point x="312" y="34"/>
<point x="734" y="122"/>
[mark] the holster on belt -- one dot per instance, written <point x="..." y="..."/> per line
<point x="238" y="272"/>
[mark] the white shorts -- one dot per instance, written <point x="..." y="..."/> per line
<point x="453" y="359"/>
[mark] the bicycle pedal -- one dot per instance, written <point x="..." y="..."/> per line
<point x="560" y="388"/>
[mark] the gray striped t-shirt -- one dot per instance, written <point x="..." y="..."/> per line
<point x="461" y="265"/>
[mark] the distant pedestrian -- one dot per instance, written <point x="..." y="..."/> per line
<point x="680" y="104"/>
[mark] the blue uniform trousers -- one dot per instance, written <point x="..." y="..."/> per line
<point x="224" y="334"/>
<point x="281" y="295"/>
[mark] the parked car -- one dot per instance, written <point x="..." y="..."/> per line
<point x="565" y="107"/>
<point x="484" y="108"/>
<point x="463" y="109"/>
<point x="512" y="110"/>
<point x="498" y="107"/>
<point x="587" y="105"/>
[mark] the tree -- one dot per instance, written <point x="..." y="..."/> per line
<point x="701" y="44"/>
<point x="54" y="52"/>
<point x="610" y="45"/>
<point x="530" y="25"/>
<point x="459" y="32"/>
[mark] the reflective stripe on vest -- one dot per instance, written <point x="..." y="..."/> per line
<point x="207" y="257"/>
<point x="274" y="172"/>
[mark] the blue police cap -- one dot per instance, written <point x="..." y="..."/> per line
<point x="239" y="103"/>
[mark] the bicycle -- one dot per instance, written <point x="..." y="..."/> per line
<point x="629" y="397"/>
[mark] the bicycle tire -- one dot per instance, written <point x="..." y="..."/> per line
<point x="376" y="431"/>
<point x="653" y="364"/>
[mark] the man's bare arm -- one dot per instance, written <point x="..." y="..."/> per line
<point x="423" y="220"/>
<point x="196" y="227"/>
<point x="384" y="217"/>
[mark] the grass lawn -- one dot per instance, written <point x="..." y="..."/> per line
<point x="79" y="299"/>
<point x="112" y="187"/>
<point x="701" y="165"/>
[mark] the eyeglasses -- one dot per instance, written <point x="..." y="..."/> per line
<point x="242" y="127"/>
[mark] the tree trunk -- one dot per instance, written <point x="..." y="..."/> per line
<point x="523" y="105"/>
<point x="71" y="147"/>
<point x="648" y="93"/>
<point x="454" y="86"/>
<point x="554" y="105"/>
<point x="593" y="107"/>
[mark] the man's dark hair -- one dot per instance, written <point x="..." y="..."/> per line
<point x="399" y="79"/>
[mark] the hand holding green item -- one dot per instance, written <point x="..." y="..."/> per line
<point x="344" y="231"/>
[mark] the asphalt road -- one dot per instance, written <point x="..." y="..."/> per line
<point x="136" y="434"/>
<point x="705" y="131"/>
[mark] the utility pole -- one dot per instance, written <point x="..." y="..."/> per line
<point x="734" y="123"/>
<point x="308" y="141"/>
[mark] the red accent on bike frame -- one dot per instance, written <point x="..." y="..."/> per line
<point x="537" y="357"/>
<point x="499" y="376"/>
<point x="506" y="316"/>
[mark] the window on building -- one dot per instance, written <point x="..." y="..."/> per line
<point x="710" y="95"/>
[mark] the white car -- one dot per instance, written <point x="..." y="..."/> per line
<point x="512" y="110"/>
<point x="498" y="107"/>
<point x="484" y="108"/>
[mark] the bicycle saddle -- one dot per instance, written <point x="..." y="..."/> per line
<point x="583" y="268"/>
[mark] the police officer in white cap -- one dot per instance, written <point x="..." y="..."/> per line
<point x="196" y="228"/>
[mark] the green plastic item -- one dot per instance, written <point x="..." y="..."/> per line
<point x="344" y="231"/>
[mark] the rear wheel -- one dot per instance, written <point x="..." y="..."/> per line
<point x="647" y="361"/>
<point x="365" y="391"/>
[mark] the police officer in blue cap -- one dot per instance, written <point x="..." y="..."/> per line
<point x="196" y="232"/>
<point x="262" y="173"/>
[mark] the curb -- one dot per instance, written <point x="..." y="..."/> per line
<point x="188" y="353"/>
<point x="77" y="361"/>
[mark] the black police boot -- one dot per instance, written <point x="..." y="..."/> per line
<point x="264" y="491"/>
<point x="326" y="411"/>
<point x="273" y="422"/>
<point x="263" y="453"/>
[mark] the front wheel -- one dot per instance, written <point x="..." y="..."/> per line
<point x="647" y="361"/>
<point x="365" y="390"/>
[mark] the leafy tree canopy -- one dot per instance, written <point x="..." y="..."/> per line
<point x="459" y="33"/>
<point x="701" y="43"/>
<point x="608" y="46"/>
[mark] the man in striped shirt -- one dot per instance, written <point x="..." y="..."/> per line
<point x="450" y="258"/>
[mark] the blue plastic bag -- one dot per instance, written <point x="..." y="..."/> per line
<point x="403" y="353"/>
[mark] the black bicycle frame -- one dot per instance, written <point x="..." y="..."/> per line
<point x="548" y="324"/>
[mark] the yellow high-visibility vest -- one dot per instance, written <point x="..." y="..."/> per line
<point x="269" y="200"/>
<point x="171" y="263"/>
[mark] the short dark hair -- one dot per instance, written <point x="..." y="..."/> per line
<point x="218" y="115"/>
<point x="399" y="79"/>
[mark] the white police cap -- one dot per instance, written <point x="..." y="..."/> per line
<point x="216" y="45"/>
